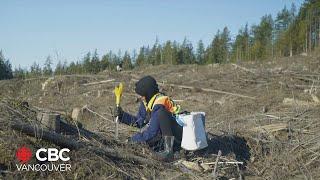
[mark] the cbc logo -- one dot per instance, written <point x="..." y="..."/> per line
<point x="53" y="154"/>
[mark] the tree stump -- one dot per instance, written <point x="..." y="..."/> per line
<point x="50" y="120"/>
<point x="76" y="113"/>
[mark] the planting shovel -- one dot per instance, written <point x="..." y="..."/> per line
<point x="118" y="93"/>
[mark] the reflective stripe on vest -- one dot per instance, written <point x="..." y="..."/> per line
<point x="165" y="101"/>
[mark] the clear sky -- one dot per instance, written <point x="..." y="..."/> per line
<point x="30" y="30"/>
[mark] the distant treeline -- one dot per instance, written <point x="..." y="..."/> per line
<point x="288" y="34"/>
<point x="5" y="68"/>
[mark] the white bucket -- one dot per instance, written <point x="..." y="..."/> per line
<point x="194" y="134"/>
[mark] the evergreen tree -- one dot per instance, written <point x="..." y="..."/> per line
<point x="215" y="55"/>
<point x="241" y="45"/>
<point x="225" y="45"/>
<point x="158" y="55"/>
<point x="175" y="48"/>
<point x="47" y="70"/>
<point x="72" y="68"/>
<point x="282" y="37"/>
<point x="126" y="62"/>
<point x="134" y="57"/>
<point x="141" y="60"/>
<point x="209" y="54"/>
<point x="104" y="62"/>
<point x="200" y="55"/>
<point x="185" y="54"/>
<point x="95" y="63"/>
<point x="2" y="67"/>
<point x="118" y="58"/>
<point x="35" y="69"/>
<point x="218" y="51"/>
<point x="155" y="55"/>
<point x="65" y="67"/>
<point x="5" y="68"/>
<point x="168" y="55"/>
<point x="19" y="73"/>
<point x="262" y="36"/>
<point x="113" y="60"/>
<point x="59" y="69"/>
<point x="87" y="66"/>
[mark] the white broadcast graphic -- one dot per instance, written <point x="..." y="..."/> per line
<point x="53" y="154"/>
<point x="24" y="155"/>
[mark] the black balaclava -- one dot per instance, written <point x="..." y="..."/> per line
<point x="147" y="87"/>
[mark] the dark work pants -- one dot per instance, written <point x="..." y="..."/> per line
<point x="169" y="126"/>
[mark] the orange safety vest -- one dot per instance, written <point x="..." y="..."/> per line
<point x="166" y="101"/>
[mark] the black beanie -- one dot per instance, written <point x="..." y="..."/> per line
<point x="147" y="86"/>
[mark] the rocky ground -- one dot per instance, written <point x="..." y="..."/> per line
<point x="265" y="114"/>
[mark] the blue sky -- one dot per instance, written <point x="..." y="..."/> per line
<point x="31" y="30"/>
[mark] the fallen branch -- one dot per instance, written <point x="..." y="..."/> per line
<point x="243" y="68"/>
<point x="312" y="160"/>
<point x="272" y="116"/>
<point x="13" y="110"/>
<point x="214" y="173"/>
<point x="35" y="130"/>
<point x="306" y="86"/>
<point x="32" y="79"/>
<point x="178" y="100"/>
<point x="84" y="75"/>
<point x="271" y="128"/>
<point x="50" y="110"/>
<point x="228" y="162"/>
<point x="99" y="82"/>
<point x="93" y="112"/>
<point x="306" y="79"/>
<point x="70" y="129"/>
<point x="208" y="90"/>
<point x="73" y="75"/>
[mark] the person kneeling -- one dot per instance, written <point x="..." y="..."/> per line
<point x="156" y="118"/>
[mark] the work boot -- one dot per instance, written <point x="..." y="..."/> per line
<point x="167" y="153"/>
